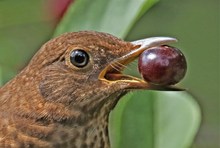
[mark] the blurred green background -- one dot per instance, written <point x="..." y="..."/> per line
<point x="26" y="24"/>
<point x="196" y="25"/>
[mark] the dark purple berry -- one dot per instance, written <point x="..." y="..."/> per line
<point x="162" y="65"/>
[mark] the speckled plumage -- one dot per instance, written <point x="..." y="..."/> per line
<point x="51" y="103"/>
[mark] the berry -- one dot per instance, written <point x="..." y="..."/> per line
<point x="162" y="65"/>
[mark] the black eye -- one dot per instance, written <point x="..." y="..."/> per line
<point x="79" y="58"/>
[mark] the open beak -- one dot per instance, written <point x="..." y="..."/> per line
<point x="112" y="73"/>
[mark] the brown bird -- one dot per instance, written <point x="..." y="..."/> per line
<point x="65" y="94"/>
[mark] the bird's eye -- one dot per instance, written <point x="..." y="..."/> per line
<point x="79" y="58"/>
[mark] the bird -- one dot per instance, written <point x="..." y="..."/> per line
<point x="64" y="96"/>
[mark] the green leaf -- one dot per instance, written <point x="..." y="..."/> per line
<point x="177" y="118"/>
<point x="131" y="122"/>
<point x="112" y="16"/>
<point x="155" y="120"/>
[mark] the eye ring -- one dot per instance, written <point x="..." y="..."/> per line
<point x="79" y="58"/>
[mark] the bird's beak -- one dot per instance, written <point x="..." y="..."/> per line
<point x="112" y="73"/>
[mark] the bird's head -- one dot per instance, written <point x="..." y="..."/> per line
<point x="84" y="69"/>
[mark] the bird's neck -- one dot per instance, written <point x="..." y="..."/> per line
<point x="95" y="131"/>
<point x="91" y="132"/>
